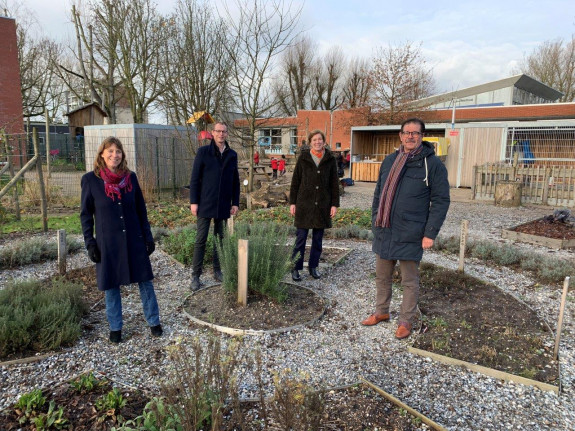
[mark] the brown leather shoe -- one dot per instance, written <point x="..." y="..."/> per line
<point x="403" y="330"/>
<point x="374" y="319"/>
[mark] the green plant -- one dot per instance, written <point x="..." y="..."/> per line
<point x="86" y="383"/>
<point x="157" y="416"/>
<point x="33" y="250"/>
<point x="181" y="243"/>
<point x="438" y="322"/>
<point x="53" y="419"/>
<point x="28" y="405"/>
<point x="112" y="402"/>
<point x="465" y="324"/>
<point x="440" y="343"/>
<point x="269" y="258"/>
<point x="528" y="373"/>
<point x="38" y="317"/>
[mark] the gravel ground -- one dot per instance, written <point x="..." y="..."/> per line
<point x="337" y="350"/>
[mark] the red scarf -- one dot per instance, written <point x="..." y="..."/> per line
<point x="390" y="186"/>
<point x="113" y="183"/>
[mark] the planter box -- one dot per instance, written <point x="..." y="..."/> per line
<point x="536" y="239"/>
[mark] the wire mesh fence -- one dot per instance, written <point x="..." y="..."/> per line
<point x="162" y="163"/>
<point x="544" y="146"/>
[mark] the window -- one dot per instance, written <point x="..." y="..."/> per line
<point x="338" y="145"/>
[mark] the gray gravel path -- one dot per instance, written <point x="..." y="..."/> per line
<point x="337" y="350"/>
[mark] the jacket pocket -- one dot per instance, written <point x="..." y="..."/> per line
<point x="412" y="227"/>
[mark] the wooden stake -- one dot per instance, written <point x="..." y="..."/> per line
<point x="243" y="272"/>
<point x="560" y="321"/>
<point x="62" y="251"/>
<point x="44" y="201"/>
<point x="231" y="225"/>
<point x="463" y="244"/>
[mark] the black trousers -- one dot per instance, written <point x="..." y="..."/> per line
<point x="203" y="228"/>
<point x="316" y="247"/>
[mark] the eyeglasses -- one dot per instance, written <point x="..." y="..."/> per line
<point x="219" y="131"/>
<point x="414" y="134"/>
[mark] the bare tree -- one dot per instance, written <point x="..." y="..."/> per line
<point x="399" y="76"/>
<point x="327" y="79"/>
<point x="261" y="31"/>
<point x="293" y="85"/>
<point x="553" y="63"/>
<point x="196" y="63"/>
<point x="357" y="85"/>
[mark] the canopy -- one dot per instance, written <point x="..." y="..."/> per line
<point x="203" y="115"/>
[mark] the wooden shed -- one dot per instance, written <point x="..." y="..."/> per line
<point x="162" y="156"/>
<point x="87" y="115"/>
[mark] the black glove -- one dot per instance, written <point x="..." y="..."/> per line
<point x="94" y="253"/>
<point x="150" y="247"/>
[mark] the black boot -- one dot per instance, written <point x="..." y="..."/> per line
<point x="295" y="275"/>
<point x="116" y="336"/>
<point x="314" y="273"/>
<point x="157" y="330"/>
<point x="196" y="283"/>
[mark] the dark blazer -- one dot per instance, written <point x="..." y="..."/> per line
<point x="215" y="181"/>
<point x="122" y="231"/>
<point x="314" y="190"/>
<point x="418" y="209"/>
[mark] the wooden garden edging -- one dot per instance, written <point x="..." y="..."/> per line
<point x="404" y="406"/>
<point x="536" y="239"/>
<point x="484" y="370"/>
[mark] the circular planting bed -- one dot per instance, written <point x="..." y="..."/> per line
<point x="216" y="308"/>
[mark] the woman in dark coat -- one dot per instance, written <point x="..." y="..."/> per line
<point x="113" y="203"/>
<point x="314" y="199"/>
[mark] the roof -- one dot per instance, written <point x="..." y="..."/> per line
<point x="200" y="115"/>
<point x="94" y="104"/>
<point x="520" y="81"/>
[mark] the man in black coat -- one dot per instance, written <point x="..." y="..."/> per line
<point x="214" y="194"/>
<point x="410" y="203"/>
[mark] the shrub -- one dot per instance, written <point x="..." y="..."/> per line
<point x="39" y="317"/>
<point x="483" y="250"/>
<point x="554" y="270"/>
<point x="506" y="255"/>
<point x="269" y="258"/>
<point x="181" y="243"/>
<point x="33" y="250"/>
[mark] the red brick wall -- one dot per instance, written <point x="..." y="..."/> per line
<point x="11" y="118"/>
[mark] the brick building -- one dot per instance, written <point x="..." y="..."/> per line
<point x="11" y="118"/>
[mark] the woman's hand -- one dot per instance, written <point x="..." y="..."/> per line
<point x="94" y="253"/>
<point x="292" y="210"/>
<point x="332" y="212"/>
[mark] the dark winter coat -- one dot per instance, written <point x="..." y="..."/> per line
<point x="122" y="231"/>
<point x="314" y="190"/>
<point x="418" y="209"/>
<point x="215" y="181"/>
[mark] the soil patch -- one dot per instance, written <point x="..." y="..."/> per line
<point x="467" y="319"/>
<point x="80" y="408"/>
<point x="547" y="228"/>
<point x="215" y="305"/>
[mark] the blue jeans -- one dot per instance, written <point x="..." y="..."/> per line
<point x="149" y="303"/>
<point x="316" y="247"/>
<point x="202" y="230"/>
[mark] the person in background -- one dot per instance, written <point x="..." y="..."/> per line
<point x="113" y="205"/>
<point x="410" y="203"/>
<point x="282" y="165"/>
<point x="256" y="158"/>
<point x="274" y="165"/>
<point x="314" y="199"/>
<point x="214" y="194"/>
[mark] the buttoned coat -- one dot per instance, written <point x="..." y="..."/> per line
<point x="419" y="206"/>
<point x="121" y="229"/>
<point x="215" y="181"/>
<point x="314" y="190"/>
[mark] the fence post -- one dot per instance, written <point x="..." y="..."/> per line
<point x="11" y="170"/>
<point x="560" y="321"/>
<point x="474" y="182"/>
<point x="157" y="167"/>
<point x="174" y="167"/>
<point x="62" y="251"/>
<point x="546" y="185"/>
<point x="463" y="244"/>
<point x="243" y="271"/>
<point x="44" y="206"/>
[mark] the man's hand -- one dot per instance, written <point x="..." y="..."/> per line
<point x="194" y="209"/>
<point x="234" y="210"/>
<point x="426" y="243"/>
<point x="292" y="210"/>
<point x="332" y="212"/>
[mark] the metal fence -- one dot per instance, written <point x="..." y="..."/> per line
<point x="542" y="146"/>
<point x="540" y="184"/>
<point x="163" y="166"/>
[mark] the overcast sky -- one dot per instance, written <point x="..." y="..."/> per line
<point x="465" y="42"/>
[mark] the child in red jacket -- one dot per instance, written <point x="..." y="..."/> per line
<point x="274" y="164"/>
<point x="282" y="165"/>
